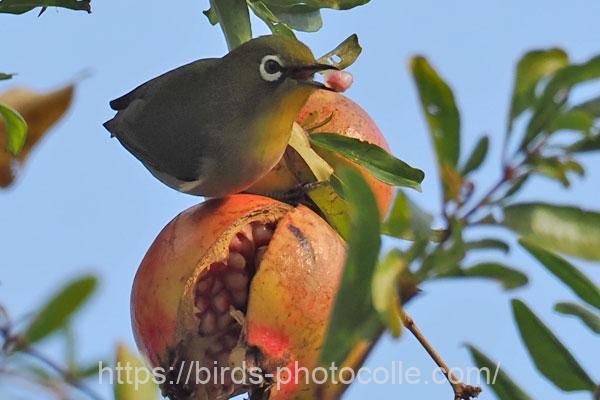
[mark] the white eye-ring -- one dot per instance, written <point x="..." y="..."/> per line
<point x="271" y="68"/>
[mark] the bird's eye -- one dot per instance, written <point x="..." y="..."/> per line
<point x="271" y="68"/>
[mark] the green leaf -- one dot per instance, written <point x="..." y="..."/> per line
<point x="549" y="355"/>
<point x="477" y="156"/>
<point x="590" y="107"/>
<point x="440" y="109"/>
<point x="556" y="169"/>
<point x="262" y="11"/>
<point x="586" y="316"/>
<point x="376" y="160"/>
<point x="4" y="76"/>
<point x="487" y="244"/>
<point x="59" y="310"/>
<point x="211" y="15"/>
<point x="509" y="278"/>
<point x="572" y="120"/>
<point x="311" y="5"/>
<point x="16" y="127"/>
<point x="531" y="69"/>
<point x="344" y="55"/>
<point x="568" y="230"/>
<point x="234" y="18"/>
<point x="305" y="20"/>
<point x="556" y="94"/>
<point x="407" y="221"/>
<point x="516" y="186"/>
<point x="333" y="206"/>
<point x="591" y="143"/>
<point x="138" y="387"/>
<point x="503" y="386"/>
<point x="353" y="317"/>
<point x="89" y="370"/>
<point x="386" y="290"/>
<point x="566" y="272"/>
<point x="23" y="6"/>
<point x="446" y="256"/>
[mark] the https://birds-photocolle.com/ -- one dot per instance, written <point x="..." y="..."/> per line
<point x="215" y="126"/>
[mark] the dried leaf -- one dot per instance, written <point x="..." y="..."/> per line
<point x="41" y="111"/>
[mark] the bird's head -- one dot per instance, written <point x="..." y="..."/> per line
<point x="271" y="64"/>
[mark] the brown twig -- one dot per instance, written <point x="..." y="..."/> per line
<point x="461" y="391"/>
<point x="12" y="340"/>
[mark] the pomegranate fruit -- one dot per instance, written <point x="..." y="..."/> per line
<point x="240" y="281"/>
<point x="337" y="114"/>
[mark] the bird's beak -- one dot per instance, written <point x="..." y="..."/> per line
<point x="305" y="73"/>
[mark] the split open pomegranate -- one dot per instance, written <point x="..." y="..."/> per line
<point x="244" y="281"/>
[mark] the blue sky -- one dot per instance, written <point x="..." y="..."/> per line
<point x="83" y="204"/>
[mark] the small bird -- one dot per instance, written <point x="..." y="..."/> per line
<point x="215" y="126"/>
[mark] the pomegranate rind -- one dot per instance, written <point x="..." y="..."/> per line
<point x="343" y="117"/>
<point x="292" y="295"/>
<point x="351" y="120"/>
<point x="176" y="255"/>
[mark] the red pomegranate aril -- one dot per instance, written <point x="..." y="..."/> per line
<point x="236" y="261"/>
<point x="208" y="256"/>
<point x="236" y="281"/>
<point x="201" y="304"/>
<point x="239" y="298"/>
<point x="221" y="302"/>
<point x="215" y="348"/>
<point x="217" y="287"/>
<point x="262" y="234"/>
<point x="208" y="324"/>
<point x="230" y="341"/>
<point x="224" y="321"/>
<point x="204" y="285"/>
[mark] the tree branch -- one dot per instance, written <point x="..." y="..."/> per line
<point x="461" y="391"/>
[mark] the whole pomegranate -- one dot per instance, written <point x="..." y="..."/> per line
<point x="332" y="113"/>
<point x="240" y="281"/>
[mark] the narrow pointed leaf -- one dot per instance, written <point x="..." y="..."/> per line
<point x="488" y="244"/>
<point x="16" y="128"/>
<point x="60" y="308"/>
<point x="477" y="156"/>
<point x="234" y="18"/>
<point x="300" y="18"/>
<point x="344" y="54"/>
<point x="568" y="230"/>
<point x="376" y="160"/>
<point x="407" y="220"/>
<point x="334" y="207"/>
<point x="23" y="6"/>
<point x="211" y="16"/>
<point x="580" y="284"/>
<point x="509" y="278"/>
<point x="549" y="355"/>
<point x="584" y="145"/>
<point x="4" y="76"/>
<point x="353" y="318"/>
<point x="503" y="386"/>
<point x="441" y="112"/>
<point x="133" y="389"/>
<point x="572" y="120"/>
<point x="386" y="290"/>
<point x="304" y="5"/>
<point x="586" y="316"/>
<point x="556" y="94"/>
<point x="41" y="111"/>
<point x="533" y="67"/>
<point x="262" y="11"/>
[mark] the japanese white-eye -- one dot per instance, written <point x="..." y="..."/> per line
<point x="215" y="126"/>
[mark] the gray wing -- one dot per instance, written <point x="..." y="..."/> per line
<point x="159" y="122"/>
